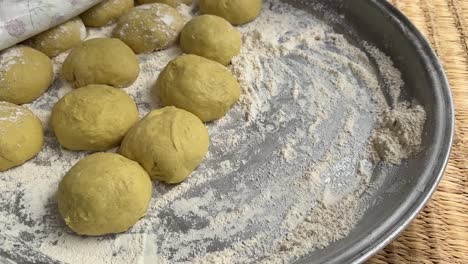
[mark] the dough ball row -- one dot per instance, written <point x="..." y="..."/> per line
<point x="105" y="192"/>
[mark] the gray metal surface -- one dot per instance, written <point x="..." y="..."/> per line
<point x="378" y="22"/>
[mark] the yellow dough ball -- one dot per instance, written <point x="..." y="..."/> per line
<point x="94" y="117"/>
<point x="105" y="12"/>
<point x="198" y="85"/>
<point x="25" y="74"/>
<point x="150" y="27"/>
<point x="173" y="3"/>
<point x="235" y="11"/>
<point x="169" y="143"/>
<point x="21" y="135"/>
<point x="101" y="61"/>
<point x="211" y="37"/>
<point x="104" y="193"/>
<point x="60" y="38"/>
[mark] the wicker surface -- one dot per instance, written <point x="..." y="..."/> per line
<point x="440" y="233"/>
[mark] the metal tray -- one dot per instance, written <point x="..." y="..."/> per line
<point x="380" y="24"/>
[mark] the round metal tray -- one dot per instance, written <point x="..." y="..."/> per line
<point x="381" y="25"/>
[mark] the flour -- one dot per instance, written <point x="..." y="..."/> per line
<point x="8" y="58"/>
<point x="165" y="24"/>
<point x="10" y="116"/>
<point x="399" y="133"/>
<point x="83" y="30"/>
<point x="288" y="170"/>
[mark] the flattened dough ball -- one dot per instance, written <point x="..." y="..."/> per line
<point x="211" y="37"/>
<point x="101" y="61"/>
<point x="173" y="3"/>
<point x="169" y="143"/>
<point x="94" y="117"/>
<point x="21" y="135"/>
<point x="60" y="38"/>
<point x="25" y="74"/>
<point x="104" y="193"/>
<point x="235" y="11"/>
<point x="105" y="12"/>
<point x="150" y="27"/>
<point x="198" y="85"/>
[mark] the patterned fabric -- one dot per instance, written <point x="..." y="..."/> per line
<point x="21" y="19"/>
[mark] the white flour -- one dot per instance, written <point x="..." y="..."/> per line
<point x="66" y="28"/>
<point x="10" y="116"/>
<point x="288" y="169"/>
<point x="165" y="25"/>
<point x="8" y="58"/>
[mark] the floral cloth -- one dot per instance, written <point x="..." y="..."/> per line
<point x="21" y="19"/>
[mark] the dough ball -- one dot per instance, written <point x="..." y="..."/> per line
<point x="104" y="193"/>
<point x="94" y="117"/>
<point x="106" y="11"/>
<point x="235" y="11"/>
<point x="101" y="61"/>
<point x="198" y="85"/>
<point x="60" y="38"/>
<point x="173" y="3"/>
<point x="169" y="143"/>
<point x="21" y="135"/>
<point x="151" y="27"/>
<point x="211" y="37"/>
<point x="25" y="74"/>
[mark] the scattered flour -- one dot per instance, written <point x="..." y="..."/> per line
<point x="8" y="58"/>
<point x="83" y="31"/>
<point x="288" y="170"/>
<point x="11" y="116"/>
<point x="165" y="24"/>
<point x="399" y="133"/>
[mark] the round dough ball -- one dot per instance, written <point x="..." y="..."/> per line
<point x="106" y="11"/>
<point x="21" y="135"/>
<point x="198" y="85"/>
<point x="151" y="27"/>
<point x="101" y="61"/>
<point x="60" y="38"/>
<point x="173" y="3"/>
<point x="25" y="74"/>
<point x="211" y="37"/>
<point x="104" y="193"/>
<point x="235" y="11"/>
<point x="94" y="117"/>
<point x="169" y="143"/>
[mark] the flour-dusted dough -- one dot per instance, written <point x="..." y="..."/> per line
<point x="198" y="85"/>
<point x="211" y="37"/>
<point x="150" y="27"/>
<point x="21" y="135"/>
<point x="94" y="117"/>
<point x="235" y="11"/>
<point x="105" y="12"/>
<point x="25" y="74"/>
<point x="104" y="193"/>
<point x="60" y="38"/>
<point x="173" y="3"/>
<point x="101" y="61"/>
<point x="169" y="143"/>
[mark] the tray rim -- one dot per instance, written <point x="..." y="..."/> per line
<point x="411" y="32"/>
